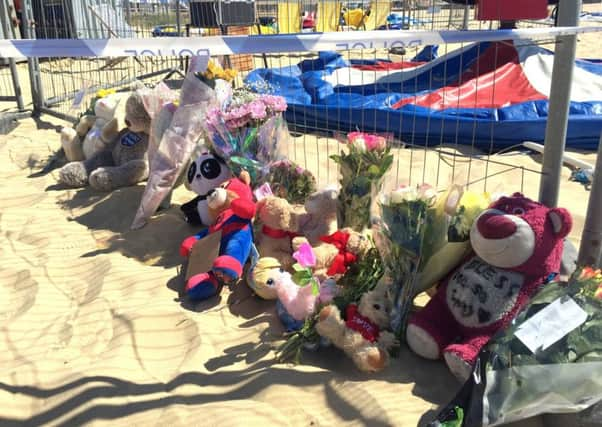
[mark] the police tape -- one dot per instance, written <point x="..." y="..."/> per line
<point x="277" y="43"/>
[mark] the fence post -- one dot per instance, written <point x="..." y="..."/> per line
<point x="178" y="23"/>
<point x="7" y="31"/>
<point x="558" y="111"/>
<point x="32" y="63"/>
<point x="590" y="250"/>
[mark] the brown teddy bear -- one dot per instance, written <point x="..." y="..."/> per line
<point x="124" y="160"/>
<point x="321" y="215"/>
<point x="336" y="252"/>
<point x="279" y="225"/>
<point x="361" y="335"/>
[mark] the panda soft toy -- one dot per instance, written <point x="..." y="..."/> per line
<point x="205" y="173"/>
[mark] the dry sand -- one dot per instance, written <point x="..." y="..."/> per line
<point x="93" y="330"/>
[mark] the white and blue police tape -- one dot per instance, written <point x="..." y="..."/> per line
<point x="278" y="43"/>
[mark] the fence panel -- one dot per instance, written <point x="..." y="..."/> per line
<point x="11" y="95"/>
<point x="428" y="147"/>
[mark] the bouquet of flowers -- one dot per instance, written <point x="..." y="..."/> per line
<point x="362" y="169"/>
<point x="290" y="181"/>
<point x="548" y="360"/>
<point x="178" y="140"/>
<point x="399" y="233"/>
<point x="447" y="239"/>
<point x="248" y="130"/>
<point x="215" y="72"/>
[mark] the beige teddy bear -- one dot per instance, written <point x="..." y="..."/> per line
<point x="93" y="132"/>
<point x="336" y="252"/>
<point x="362" y="335"/>
<point x="279" y="224"/>
<point x="321" y="215"/>
<point x="123" y="162"/>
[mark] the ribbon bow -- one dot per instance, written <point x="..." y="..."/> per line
<point x="274" y="233"/>
<point x="344" y="258"/>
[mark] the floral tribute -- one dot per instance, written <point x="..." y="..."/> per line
<point x="400" y="231"/>
<point x="248" y="130"/>
<point x="362" y="170"/>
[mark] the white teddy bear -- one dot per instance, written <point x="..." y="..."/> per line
<point x="93" y="132"/>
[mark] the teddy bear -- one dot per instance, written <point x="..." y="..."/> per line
<point x="279" y="225"/>
<point x="123" y="162"/>
<point x="93" y="132"/>
<point x="231" y="209"/>
<point x="336" y="252"/>
<point x="321" y="215"/>
<point x="206" y="173"/>
<point x="517" y="247"/>
<point x="362" y="334"/>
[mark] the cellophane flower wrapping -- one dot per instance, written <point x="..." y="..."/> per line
<point x="160" y="103"/>
<point x="249" y="132"/>
<point x="362" y="168"/>
<point x="447" y="239"/>
<point x="400" y="228"/>
<point x="510" y="382"/>
<point x="176" y="146"/>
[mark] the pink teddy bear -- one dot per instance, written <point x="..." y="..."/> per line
<point x="517" y="246"/>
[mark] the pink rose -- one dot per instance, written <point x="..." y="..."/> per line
<point x="354" y="135"/>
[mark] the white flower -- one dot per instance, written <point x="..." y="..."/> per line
<point x="403" y="194"/>
<point x="359" y="144"/>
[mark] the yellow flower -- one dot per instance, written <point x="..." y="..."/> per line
<point x="230" y="74"/>
<point x="104" y="92"/>
<point x="598" y="293"/>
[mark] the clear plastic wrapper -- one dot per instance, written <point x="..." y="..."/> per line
<point x="411" y="231"/>
<point x="510" y="382"/>
<point x="248" y="131"/>
<point x="362" y="169"/>
<point x="176" y="146"/>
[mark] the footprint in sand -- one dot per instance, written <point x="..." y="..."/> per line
<point x="84" y="335"/>
<point x="66" y="240"/>
<point x="79" y="279"/>
<point x="18" y="292"/>
<point x="161" y="341"/>
<point x="20" y="192"/>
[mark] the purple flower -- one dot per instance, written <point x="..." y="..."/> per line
<point x="305" y="255"/>
<point x="257" y="110"/>
<point x="276" y="104"/>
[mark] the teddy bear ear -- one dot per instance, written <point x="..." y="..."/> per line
<point x="562" y="221"/>
<point x="245" y="177"/>
<point x="517" y="194"/>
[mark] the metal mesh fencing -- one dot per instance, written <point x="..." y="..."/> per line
<point x="426" y="148"/>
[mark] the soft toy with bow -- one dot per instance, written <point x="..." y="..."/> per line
<point x="336" y="252"/>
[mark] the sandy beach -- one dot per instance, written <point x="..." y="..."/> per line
<point x="94" y="330"/>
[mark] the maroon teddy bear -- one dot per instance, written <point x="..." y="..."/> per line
<point x="517" y="246"/>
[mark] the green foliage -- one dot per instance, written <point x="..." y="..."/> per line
<point x="362" y="172"/>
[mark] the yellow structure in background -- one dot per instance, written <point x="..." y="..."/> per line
<point x="327" y="15"/>
<point x="289" y="19"/>
<point x="380" y="10"/>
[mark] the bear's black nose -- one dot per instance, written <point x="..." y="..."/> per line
<point x="211" y="192"/>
